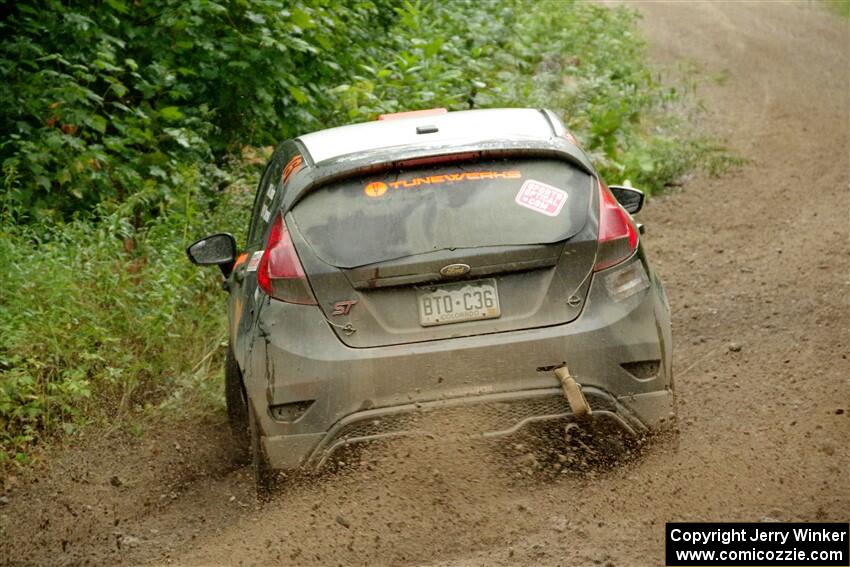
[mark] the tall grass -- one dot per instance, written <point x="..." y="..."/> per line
<point x="99" y="321"/>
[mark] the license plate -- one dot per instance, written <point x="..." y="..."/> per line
<point x="458" y="302"/>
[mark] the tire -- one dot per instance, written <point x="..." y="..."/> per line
<point x="671" y="434"/>
<point x="264" y="475"/>
<point x="237" y="409"/>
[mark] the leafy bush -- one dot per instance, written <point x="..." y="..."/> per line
<point x="127" y="130"/>
<point x="586" y="62"/>
<point x="108" y="101"/>
<point x="98" y="321"/>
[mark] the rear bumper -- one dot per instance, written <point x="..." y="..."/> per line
<point x="486" y="417"/>
<point x="360" y="394"/>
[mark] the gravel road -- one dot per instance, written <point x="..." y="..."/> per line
<point x="757" y="267"/>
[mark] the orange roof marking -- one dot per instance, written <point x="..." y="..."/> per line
<point x="413" y="114"/>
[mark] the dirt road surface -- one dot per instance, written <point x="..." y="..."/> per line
<point x="757" y="266"/>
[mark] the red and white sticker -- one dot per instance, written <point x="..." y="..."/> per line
<point x="541" y="197"/>
<point x="254" y="261"/>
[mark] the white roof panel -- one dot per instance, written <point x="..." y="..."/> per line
<point x="453" y="127"/>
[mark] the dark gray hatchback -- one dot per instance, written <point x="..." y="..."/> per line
<point x="432" y="263"/>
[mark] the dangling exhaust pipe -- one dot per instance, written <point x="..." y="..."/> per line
<point x="572" y="391"/>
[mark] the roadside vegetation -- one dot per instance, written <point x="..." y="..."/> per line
<point x="129" y="130"/>
<point x="840" y="7"/>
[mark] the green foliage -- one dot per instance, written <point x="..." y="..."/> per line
<point x="119" y="126"/>
<point x="108" y="101"/>
<point x="593" y="73"/>
<point x="584" y="61"/>
<point x="840" y="7"/>
<point x="98" y="321"/>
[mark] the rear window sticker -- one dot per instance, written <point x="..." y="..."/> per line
<point x="270" y="192"/>
<point x="378" y="188"/>
<point x="254" y="261"/>
<point x="265" y="213"/>
<point x="541" y="198"/>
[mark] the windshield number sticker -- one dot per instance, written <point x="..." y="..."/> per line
<point x="254" y="261"/>
<point x="541" y="198"/>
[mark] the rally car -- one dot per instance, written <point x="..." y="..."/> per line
<point x="430" y="263"/>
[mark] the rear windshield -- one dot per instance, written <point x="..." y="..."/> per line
<point x="459" y="205"/>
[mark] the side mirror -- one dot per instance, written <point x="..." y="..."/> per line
<point x="216" y="250"/>
<point x="630" y="198"/>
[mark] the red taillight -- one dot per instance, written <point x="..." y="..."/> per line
<point x="280" y="274"/>
<point x="618" y="237"/>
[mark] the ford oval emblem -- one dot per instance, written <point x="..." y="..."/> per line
<point x="454" y="270"/>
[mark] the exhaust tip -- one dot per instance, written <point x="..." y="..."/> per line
<point x="572" y="391"/>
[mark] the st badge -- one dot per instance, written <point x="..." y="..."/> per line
<point x="343" y="307"/>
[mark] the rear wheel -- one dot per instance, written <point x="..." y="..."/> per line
<point x="264" y="475"/>
<point x="670" y="432"/>
<point x="237" y="408"/>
